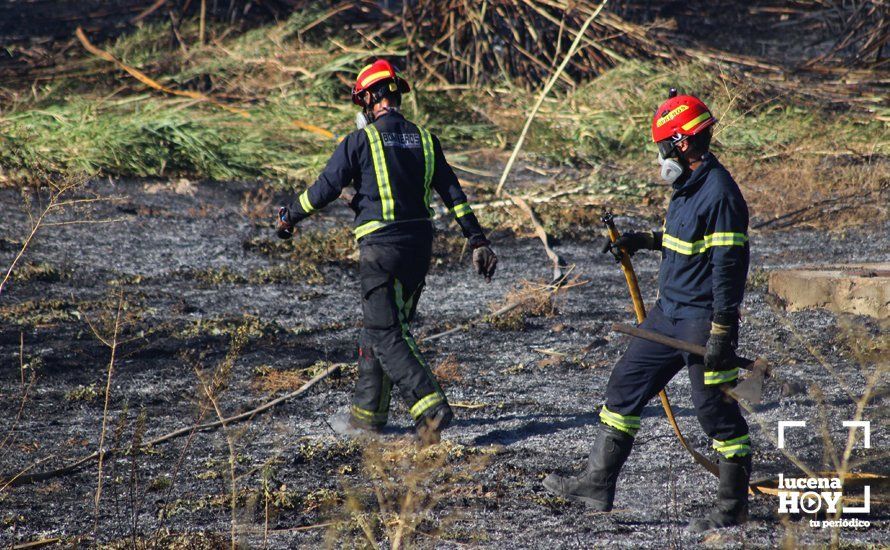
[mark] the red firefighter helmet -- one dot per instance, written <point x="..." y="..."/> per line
<point x="375" y="73"/>
<point x="679" y="117"/>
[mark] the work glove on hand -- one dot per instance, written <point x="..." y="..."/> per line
<point x="634" y="241"/>
<point x="485" y="261"/>
<point x="283" y="229"/>
<point x="720" y="354"/>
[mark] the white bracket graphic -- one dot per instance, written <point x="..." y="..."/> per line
<point x="788" y="424"/>
<point x="866" y="430"/>
<point x="866" y="503"/>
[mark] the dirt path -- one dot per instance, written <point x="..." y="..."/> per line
<point x="192" y="271"/>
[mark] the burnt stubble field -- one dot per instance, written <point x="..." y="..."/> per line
<point x="214" y="317"/>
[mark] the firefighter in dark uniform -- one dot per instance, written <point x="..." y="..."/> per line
<point x="394" y="166"/>
<point x="704" y="247"/>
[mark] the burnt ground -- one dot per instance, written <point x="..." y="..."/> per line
<point x="193" y="268"/>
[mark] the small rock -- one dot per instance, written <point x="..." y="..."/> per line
<point x="790" y="388"/>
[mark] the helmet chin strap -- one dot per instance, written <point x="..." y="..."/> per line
<point x="367" y="116"/>
<point x="679" y="153"/>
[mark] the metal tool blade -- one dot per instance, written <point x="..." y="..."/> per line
<point x="751" y="388"/>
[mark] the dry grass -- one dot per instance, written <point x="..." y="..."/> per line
<point x="112" y="343"/>
<point x="409" y="494"/>
<point x="305" y="254"/>
<point x="831" y="191"/>
<point x="258" y="204"/>
<point x="39" y="272"/>
<point x="450" y="247"/>
<point x="309" y="246"/>
<point x="449" y="370"/>
<point x="270" y="380"/>
<point x="50" y="198"/>
<point x="27" y="382"/>
<point x="867" y="346"/>
<point x="211" y="389"/>
<point x="775" y="142"/>
<point x="552" y="358"/>
<point x="327" y="449"/>
<point x="170" y="541"/>
<point x="530" y="300"/>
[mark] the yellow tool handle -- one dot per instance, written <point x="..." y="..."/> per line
<point x="629" y="275"/>
<point x="640" y="309"/>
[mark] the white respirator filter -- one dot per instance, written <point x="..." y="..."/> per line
<point x="360" y="120"/>
<point x="671" y="169"/>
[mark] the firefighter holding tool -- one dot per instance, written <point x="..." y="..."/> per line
<point x="394" y="166"/>
<point x="701" y="281"/>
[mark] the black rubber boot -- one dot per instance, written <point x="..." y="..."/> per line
<point x="429" y="427"/>
<point x="732" y="496"/>
<point x="595" y="487"/>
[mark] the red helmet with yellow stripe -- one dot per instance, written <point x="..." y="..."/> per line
<point x="679" y="117"/>
<point x="375" y="73"/>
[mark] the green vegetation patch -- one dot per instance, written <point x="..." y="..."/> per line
<point x="86" y="394"/>
<point x="250" y="326"/>
<point x="42" y="312"/>
<point x="282" y="83"/>
<point x="609" y="118"/>
<point x="304" y="255"/>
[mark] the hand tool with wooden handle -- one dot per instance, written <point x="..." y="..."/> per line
<point x="750" y="389"/>
<point x="640" y="309"/>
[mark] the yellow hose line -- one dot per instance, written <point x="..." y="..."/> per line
<point x="317" y="130"/>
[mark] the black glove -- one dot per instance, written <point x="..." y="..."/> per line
<point x="485" y="261"/>
<point x="284" y="229"/>
<point x="720" y="354"/>
<point x="634" y="241"/>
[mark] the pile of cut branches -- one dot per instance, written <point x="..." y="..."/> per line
<point x="863" y="30"/>
<point x="521" y="41"/>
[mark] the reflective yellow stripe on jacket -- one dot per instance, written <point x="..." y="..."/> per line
<point x="304" y="202"/>
<point x="739" y="446"/>
<point x="367" y="228"/>
<point x="628" y="424"/>
<point x="714" y="239"/>
<point x="429" y="165"/>
<point x="721" y="376"/>
<point x="383" y="186"/>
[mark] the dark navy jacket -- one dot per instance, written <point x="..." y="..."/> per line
<point x="705" y="252"/>
<point x="394" y="165"/>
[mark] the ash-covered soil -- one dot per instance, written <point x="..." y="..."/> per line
<point x="191" y="268"/>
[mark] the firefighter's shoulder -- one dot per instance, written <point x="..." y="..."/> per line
<point x="721" y="184"/>
<point x="355" y="140"/>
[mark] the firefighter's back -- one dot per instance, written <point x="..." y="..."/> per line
<point x="393" y="190"/>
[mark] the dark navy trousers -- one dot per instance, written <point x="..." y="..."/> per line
<point x="647" y="367"/>
<point x="392" y="279"/>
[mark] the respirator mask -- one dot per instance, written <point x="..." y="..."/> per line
<point x="669" y="159"/>
<point x="362" y="119"/>
<point x="366" y="115"/>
